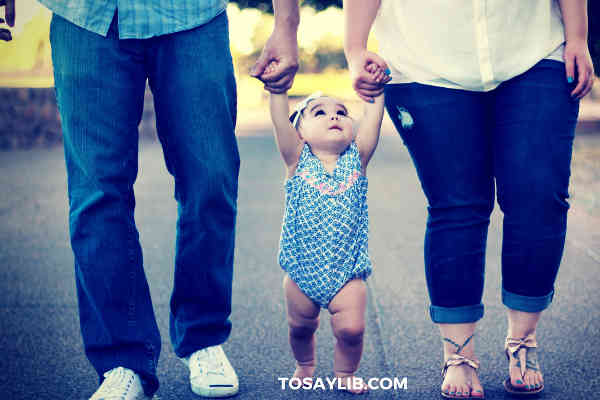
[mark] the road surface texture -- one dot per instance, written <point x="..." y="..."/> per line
<point x="42" y="353"/>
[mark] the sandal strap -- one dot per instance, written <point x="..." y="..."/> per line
<point x="459" y="347"/>
<point x="526" y="360"/>
<point x="513" y="345"/>
<point x="457" y="359"/>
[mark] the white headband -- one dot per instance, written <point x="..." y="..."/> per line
<point x="295" y="117"/>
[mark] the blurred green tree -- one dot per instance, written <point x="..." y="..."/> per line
<point x="268" y="7"/>
<point x="593" y="11"/>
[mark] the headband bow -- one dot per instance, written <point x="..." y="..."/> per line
<point x="295" y="117"/>
<point x="513" y="345"/>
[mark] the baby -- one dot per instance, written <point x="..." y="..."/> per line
<point x="324" y="239"/>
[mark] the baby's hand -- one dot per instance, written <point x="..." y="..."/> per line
<point x="377" y="73"/>
<point x="270" y="67"/>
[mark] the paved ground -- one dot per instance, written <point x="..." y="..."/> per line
<point x="42" y="356"/>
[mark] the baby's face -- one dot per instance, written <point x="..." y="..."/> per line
<point x="325" y="122"/>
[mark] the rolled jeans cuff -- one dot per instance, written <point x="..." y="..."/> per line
<point x="456" y="315"/>
<point x="526" y="303"/>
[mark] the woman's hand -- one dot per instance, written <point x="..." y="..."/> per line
<point x="366" y="84"/>
<point x="578" y="62"/>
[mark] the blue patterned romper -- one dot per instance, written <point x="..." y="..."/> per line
<point x="324" y="237"/>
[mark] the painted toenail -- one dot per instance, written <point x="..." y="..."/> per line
<point x="520" y="382"/>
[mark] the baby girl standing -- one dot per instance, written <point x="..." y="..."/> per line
<point x="324" y="238"/>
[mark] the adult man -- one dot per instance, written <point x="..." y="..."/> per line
<point x="103" y="54"/>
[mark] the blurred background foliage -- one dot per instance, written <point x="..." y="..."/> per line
<point x="29" y="117"/>
<point x="320" y="38"/>
<point x="266" y="6"/>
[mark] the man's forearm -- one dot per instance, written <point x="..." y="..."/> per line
<point x="575" y="18"/>
<point x="358" y="17"/>
<point x="287" y="14"/>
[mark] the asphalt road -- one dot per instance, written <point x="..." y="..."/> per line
<point x="42" y="355"/>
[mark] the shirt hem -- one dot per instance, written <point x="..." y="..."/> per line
<point x="175" y="30"/>
<point x="62" y="12"/>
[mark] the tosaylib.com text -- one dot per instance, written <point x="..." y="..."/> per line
<point x="327" y="383"/>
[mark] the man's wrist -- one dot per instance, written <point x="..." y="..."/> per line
<point x="286" y="27"/>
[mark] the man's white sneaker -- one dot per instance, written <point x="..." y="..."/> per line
<point x="211" y="373"/>
<point x="120" y="384"/>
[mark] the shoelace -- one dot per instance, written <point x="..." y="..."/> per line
<point x="116" y="385"/>
<point x="211" y="360"/>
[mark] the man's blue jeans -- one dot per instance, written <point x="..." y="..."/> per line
<point x="519" y="135"/>
<point x="100" y="83"/>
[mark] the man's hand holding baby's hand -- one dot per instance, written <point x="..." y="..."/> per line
<point x="281" y="54"/>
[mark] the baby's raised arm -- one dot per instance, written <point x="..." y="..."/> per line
<point x="286" y="136"/>
<point x="369" y="128"/>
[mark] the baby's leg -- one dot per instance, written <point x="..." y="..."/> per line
<point x="303" y="321"/>
<point x="348" y="322"/>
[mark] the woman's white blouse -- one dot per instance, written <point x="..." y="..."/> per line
<point x="467" y="44"/>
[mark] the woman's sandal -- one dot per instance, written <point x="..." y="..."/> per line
<point x="455" y="360"/>
<point x="511" y="348"/>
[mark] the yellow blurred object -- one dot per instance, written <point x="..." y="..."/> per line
<point x="332" y="82"/>
<point x="29" y="50"/>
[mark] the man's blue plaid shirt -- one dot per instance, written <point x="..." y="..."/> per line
<point x="138" y="19"/>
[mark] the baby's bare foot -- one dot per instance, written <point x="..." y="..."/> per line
<point x="304" y="371"/>
<point x="352" y="384"/>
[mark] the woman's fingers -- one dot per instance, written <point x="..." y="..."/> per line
<point x="570" y="66"/>
<point x="375" y="58"/>
<point x="367" y="85"/>
<point x="587" y="86"/>
<point x="369" y="74"/>
<point x="585" y="72"/>
<point x="368" y="92"/>
<point x="582" y="78"/>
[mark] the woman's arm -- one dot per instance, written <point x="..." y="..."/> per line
<point x="359" y="16"/>
<point x="287" y="138"/>
<point x="577" y="53"/>
<point x="367" y="136"/>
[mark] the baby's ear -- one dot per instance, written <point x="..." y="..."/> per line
<point x="299" y="133"/>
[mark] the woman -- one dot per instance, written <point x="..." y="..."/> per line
<point x="485" y="95"/>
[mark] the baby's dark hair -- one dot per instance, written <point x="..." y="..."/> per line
<point x="293" y="117"/>
<point x="296" y="121"/>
